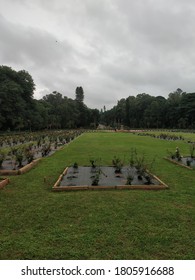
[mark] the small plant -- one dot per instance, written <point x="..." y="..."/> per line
<point x="148" y="179"/>
<point x="75" y="165"/>
<point x="140" y="165"/>
<point x="29" y="153"/>
<point x="93" y="163"/>
<point x="188" y="162"/>
<point x="129" y="179"/>
<point x="46" y="148"/>
<point x="118" y="164"/>
<point x="19" y="157"/>
<point x="177" y="154"/>
<point x="95" y="178"/>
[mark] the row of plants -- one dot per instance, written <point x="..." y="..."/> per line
<point x="177" y="155"/>
<point x="163" y="136"/>
<point x="17" y="155"/>
<point x="137" y="166"/>
<point x="63" y="136"/>
<point x="41" y="145"/>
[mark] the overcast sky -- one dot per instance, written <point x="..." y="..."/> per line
<point x="112" y="48"/>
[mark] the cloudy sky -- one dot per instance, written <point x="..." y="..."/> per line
<point x="112" y="48"/>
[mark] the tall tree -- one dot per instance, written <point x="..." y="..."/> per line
<point x="81" y="107"/>
<point x="79" y="95"/>
<point x="16" y="98"/>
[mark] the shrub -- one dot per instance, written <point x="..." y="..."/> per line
<point x="118" y="164"/>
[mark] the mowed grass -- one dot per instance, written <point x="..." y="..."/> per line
<point x="36" y="223"/>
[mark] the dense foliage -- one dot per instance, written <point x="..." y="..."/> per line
<point x="145" y="111"/>
<point x="20" y="111"/>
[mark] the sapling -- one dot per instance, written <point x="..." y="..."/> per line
<point x="177" y="154"/>
<point x="118" y="164"/>
<point x="188" y="161"/>
<point x="75" y="165"/>
<point x="19" y="157"/>
<point x="140" y="165"/>
<point x="130" y="178"/>
<point x="95" y="178"/>
<point x="148" y="179"/>
<point x="93" y="163"/>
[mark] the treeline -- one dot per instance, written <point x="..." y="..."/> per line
<point x="146" y="111"/>
<point x="20" y="111"/>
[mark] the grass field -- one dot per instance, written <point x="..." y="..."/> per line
<point x="36" y="223"/>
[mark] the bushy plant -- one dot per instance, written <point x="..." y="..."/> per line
<point x="93" y="163"/>
<point x="130" y="178"/>
<point x="118" y="164"/>
<point x="75" y="165"/>
<point x="140" y="163"/>
<point x="19" y="156"/>
<point x="96" y="177"/>
<point x="46" y="148"/>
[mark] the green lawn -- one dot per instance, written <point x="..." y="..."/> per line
<point x="37" y="223"/>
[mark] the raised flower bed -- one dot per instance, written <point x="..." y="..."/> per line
<point x="106" y="177"/>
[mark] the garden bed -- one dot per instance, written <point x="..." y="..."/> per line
<point x="8" y="170"/>
<point x="186" y="162"/>
<point x="3" y="182"/>
<point x="105" y="177"/>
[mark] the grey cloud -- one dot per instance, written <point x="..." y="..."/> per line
<point x="113" y="48"/>
<point x="30" y="44"/>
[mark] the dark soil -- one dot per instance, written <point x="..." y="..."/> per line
<point x="188" y="161"/>
<point x="84" y="176"/>
<point x="11" y="164"/>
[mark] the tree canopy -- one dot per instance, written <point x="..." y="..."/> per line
<point x="20" y="111"/>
